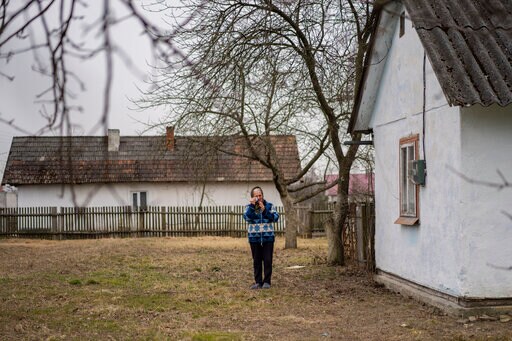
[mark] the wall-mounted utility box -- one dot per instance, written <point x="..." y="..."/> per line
<point x="418" y="172"/>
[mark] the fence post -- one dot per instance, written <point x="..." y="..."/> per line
<point x="229" y="222"/>
<point x="163" y="228"/>
<point x="132" y="219"/>
<point x="140" y="213"/>
<point x="12" y="222"/>
<point x="361" y="240"/>
<point x="55" y="221"/>
<point x="60" y="223"/>
<point x="3" y="224"/>
<point x="308" y="228"/>
<point x="240" y="228"/>
<point x="370" y="262"/>
<point x="364" y="218"/>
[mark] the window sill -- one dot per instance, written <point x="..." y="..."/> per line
<point x="410" y="221"/>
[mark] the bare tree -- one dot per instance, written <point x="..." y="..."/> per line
<point x="254" y="68"/>
<point x="272" y="67"/>
<point x="58" y="33"/>
<point x="250" y="105"/>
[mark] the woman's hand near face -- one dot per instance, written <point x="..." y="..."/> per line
<point x="262" y="205"/>
<point x="257" y="201"/>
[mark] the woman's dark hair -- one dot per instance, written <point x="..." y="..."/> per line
<point x="255" y="188"/>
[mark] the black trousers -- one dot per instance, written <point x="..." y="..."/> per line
<point x="262" y="257"/>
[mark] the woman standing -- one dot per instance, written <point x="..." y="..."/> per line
<point x="260" y="215"/>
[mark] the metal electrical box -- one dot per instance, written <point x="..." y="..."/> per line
<point x="417" y="171"/>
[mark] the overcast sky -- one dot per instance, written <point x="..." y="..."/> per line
<point x="18" y="97"/>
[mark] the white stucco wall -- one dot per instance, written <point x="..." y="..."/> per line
<point x="427" y="254"/>
<point x="486" y="148"/>
<point x="159" y="194"/>
<point x="463" y="235"/>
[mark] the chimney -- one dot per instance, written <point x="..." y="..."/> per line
<point x="170" y="138"/>
<point x="113" y="140"/>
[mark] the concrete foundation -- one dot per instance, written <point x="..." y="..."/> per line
<point x="452" y="305"/>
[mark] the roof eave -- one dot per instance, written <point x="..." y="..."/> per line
<point x="386" y="21"/>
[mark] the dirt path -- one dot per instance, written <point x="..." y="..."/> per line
<point x="196" y="289"/>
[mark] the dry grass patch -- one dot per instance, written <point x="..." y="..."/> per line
<point x="196" y="289"/>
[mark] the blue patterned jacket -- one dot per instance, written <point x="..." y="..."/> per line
<point x="260" y="228"/>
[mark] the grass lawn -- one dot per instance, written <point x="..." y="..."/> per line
<point x="197" y="289"/>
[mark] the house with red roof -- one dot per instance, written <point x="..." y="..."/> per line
<point x="360" y="188"/>
<point x="140" y="171"/>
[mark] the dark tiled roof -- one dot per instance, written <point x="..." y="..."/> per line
<point x="74" y="160"/>
<point x="469" y="44"/>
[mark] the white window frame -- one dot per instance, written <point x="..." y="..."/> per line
<point x="136" y="200"/>
<point x="409" y="191"/>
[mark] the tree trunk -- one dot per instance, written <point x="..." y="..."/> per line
<point x="291" y="218"/>
<point x="336" y="248"/>
<point x="292" y="222"/>
<point x="334" y="233"/>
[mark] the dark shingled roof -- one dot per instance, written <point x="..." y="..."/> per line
<point x="79" y="160"/>
<point x="469" y="44"/>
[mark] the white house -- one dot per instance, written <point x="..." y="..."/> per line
<point x="437" y="93"/>
<point x="119" y="170"/>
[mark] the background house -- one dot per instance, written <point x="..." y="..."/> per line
<point x="360" y="188"/>
<point x="438" y="87"/>
<point x="119" y="170"/>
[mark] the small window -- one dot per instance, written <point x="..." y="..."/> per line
<point x="139" y="200"/>
<point x="409" y="191"/>
<point x="402" y="24"/>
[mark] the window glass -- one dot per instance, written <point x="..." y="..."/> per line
<point x="134" y="200"/>
<point x="411" y="187"/>
<point x="143" y="200"/>
<point x="403" y="178"/>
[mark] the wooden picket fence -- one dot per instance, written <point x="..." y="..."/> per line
<point x="158" y="221"/>
<point x="98" y="222"/>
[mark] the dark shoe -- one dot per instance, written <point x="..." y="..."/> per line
<point x="255" y="286"/>
<point x="265" y="286"/>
